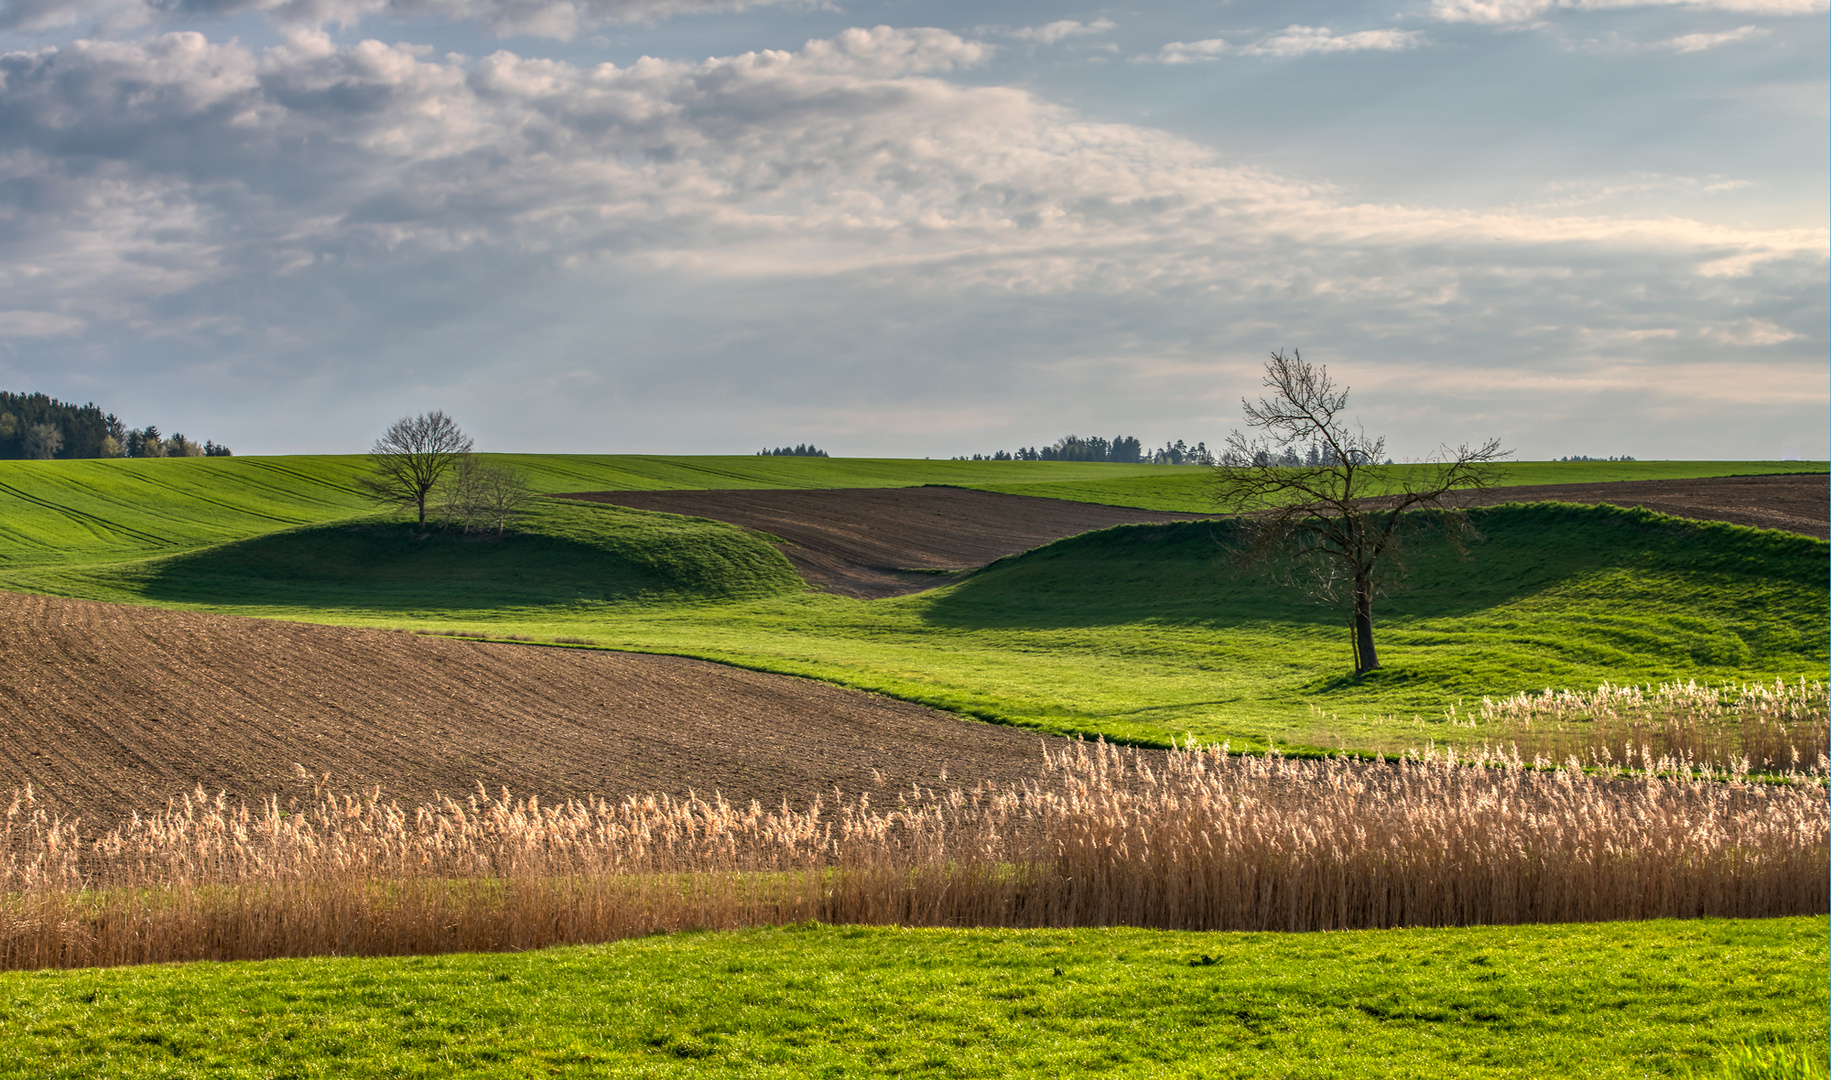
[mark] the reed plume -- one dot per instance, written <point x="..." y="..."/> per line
<point x="1193" y="839"/>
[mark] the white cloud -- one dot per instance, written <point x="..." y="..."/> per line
<point x="1751" y="332"/>
<point x="37" y="324"/>
<point x="1503" y="12"/>
<point x="336" y="204"/>
<point x="1690" y="43"/>
<point x="1298" y="40"/>
<point x="1291" y="41"/>
<point x="1050" y="33"/>
<point x="1191" y="52"/>
<point x="562" y="19"/>
<point x="161" y="165"/>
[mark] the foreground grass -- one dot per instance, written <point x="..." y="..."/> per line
<point x="1611" y="1000"/>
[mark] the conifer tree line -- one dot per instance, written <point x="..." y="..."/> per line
<point x="1124" y="448"/>
<point x="40" y="426"/>
<point x="798" y="450"/>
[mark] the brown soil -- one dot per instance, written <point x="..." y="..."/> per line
<point x="875" y="542"/>
<point x="107" y="708"/>
<point x="1800" y="504"/>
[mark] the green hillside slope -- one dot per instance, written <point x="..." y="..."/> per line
<point x="563" y="556"/>
<point x="1144" y="633"/>
<point x="107" y="510"/>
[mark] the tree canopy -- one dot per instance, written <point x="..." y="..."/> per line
<point x="1326" y="496"/>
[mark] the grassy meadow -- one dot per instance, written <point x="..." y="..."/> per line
<point x="1141" y="633"/>
<point x="1704" y="998"/>
<point x="73" y="512"/>
<point x="1144" y="634"/>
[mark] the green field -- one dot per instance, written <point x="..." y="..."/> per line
<point x="71" y="512"/>
<point x="1615" y="1000"/>
<point x="1141" y="633"/>
<point x="1186" y="489"/>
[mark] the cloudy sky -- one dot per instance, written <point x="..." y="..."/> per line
<point x="899" y="228"/>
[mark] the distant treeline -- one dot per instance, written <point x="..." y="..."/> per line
<point x="802" y="450"/>
<point x="1125" y="448"/>
<point x="39" y="426"/>
<point x="1586" y="457"/>
<point x="1315" y="455"/>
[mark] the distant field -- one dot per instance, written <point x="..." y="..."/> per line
<point x="1611" y="1000"/>
<point x="68" y="512"/>
<point x="1187" y="489"/>
<point x="1144" y="633"/>
<point x="91" y="511"/>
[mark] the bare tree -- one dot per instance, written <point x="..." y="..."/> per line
<point x="411" y="457"/>
<point x="43" y="441"/>
<point x="1328" y="498"/>
<point x="482" y="495"/>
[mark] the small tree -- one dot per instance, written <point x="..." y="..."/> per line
<point x="1329" y="498"/>
<point x="43" y="441"/>
<point x="481" y="495"/>
<point x="411" y="457"/>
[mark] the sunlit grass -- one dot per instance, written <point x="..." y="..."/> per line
<point x="1144" y="633"/>
<point x="1610" y="1000"/>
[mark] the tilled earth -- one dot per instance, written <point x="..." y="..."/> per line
<point x="875" y="542"/>
<point x="1800" y="504"/>
<point x="107" y="709"/>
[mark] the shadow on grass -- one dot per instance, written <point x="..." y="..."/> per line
<point x="561" y="556"/>
<point x="1187" y="574"/>
<point x="1581" y="577"/>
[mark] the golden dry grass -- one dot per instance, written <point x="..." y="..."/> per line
<point x="1773" y="727"/>
<point x="1099" y="836"/>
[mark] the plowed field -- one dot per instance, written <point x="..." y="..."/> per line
<point x="1800" y="504"/>
<point x="874" y="542"/>
<point x="108" y="708"/>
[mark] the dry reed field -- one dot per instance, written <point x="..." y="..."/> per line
<point x="1098" y="836"/>
<point x="1773" y="727"/>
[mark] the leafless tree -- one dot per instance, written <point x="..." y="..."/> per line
<point x="43" y="441"/>
<point x="1329" y="499"/>
<point x="411" y="457"/>
<point x="481" y="495"/>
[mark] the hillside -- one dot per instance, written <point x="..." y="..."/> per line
<point x="74" y="512"/>
<point x="877" y="542"/>
<point x="1144" y="632"/>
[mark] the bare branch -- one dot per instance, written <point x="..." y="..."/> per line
<point x="411" y="456"/>
<point x="1322" y="494"/>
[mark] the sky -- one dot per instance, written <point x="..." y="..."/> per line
<point x="897" y="228"/>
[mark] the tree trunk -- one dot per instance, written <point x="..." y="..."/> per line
<point x="1365" y="658"/>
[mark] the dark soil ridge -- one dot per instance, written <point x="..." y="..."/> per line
<point x="106" y="709"/>
<point x="1797" y="503"/>
<point x="869" y="543"/>
<point x="877" y="542"/>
